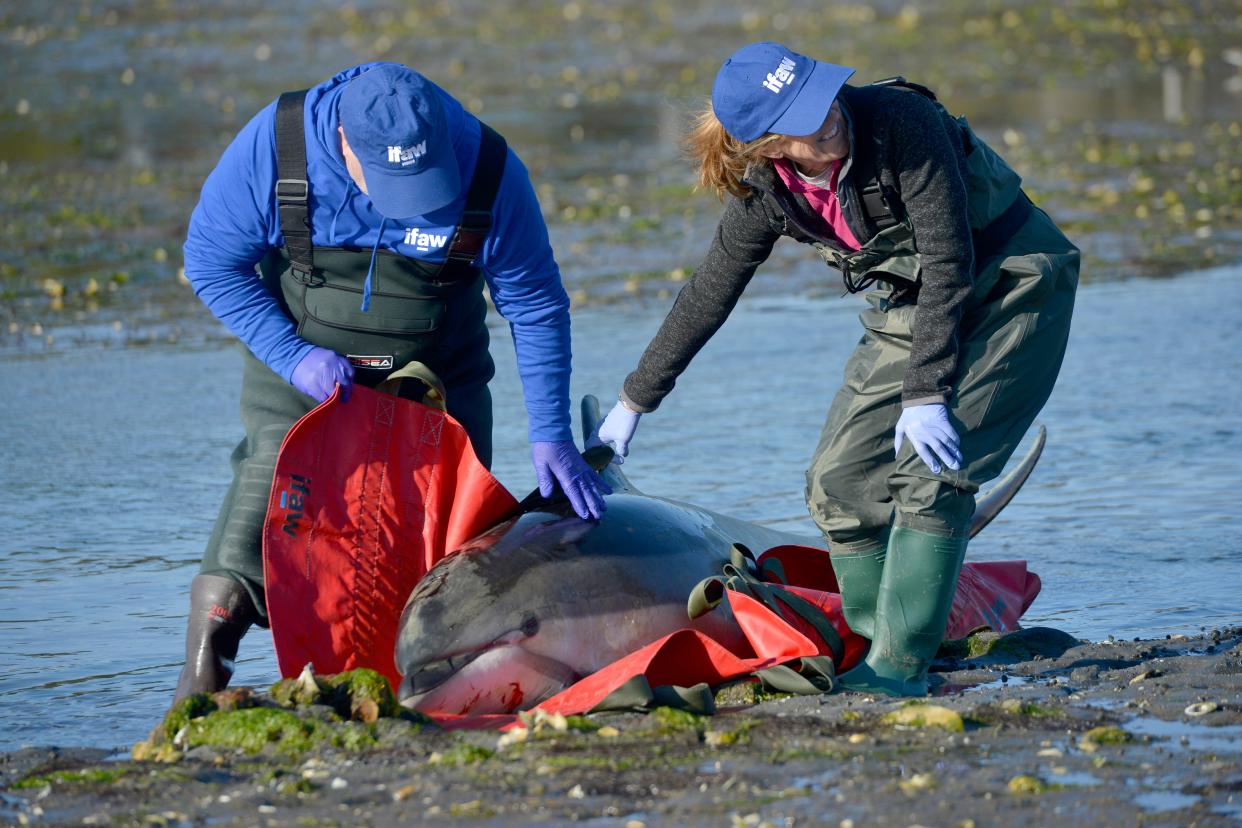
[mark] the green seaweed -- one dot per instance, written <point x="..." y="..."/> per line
<point x="1107" y="735"/>
<point x="355" y="690"/>
<point x="254" y="729"/>
<point x="180" y="715"/>
<point x="360" y="694"/>
<point x="83" y="776"/>
<point x="586" y="761"/>
<point x="1029" y="710"/>
<point x="582" y="724"/>
<point x="1027" y="784"/>
<point x="462" y="753"/>
<point x="672" y="720"/>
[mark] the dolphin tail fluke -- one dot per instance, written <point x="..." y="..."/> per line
<point x="611" y="473"/>
<point x="998" y="496"/>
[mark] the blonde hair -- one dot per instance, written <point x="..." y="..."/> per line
<point x="722" y="159"/>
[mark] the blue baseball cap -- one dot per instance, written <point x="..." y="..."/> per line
<point x="766" y="87"/>
<point x="395" y="124"/>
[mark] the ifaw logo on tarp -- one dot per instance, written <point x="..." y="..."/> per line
<point x="293" y="500"/>
<point x="405" y="156"/>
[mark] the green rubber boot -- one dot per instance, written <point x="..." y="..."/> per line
<point x="858" y="577"/>
<point x="912" y="609"/>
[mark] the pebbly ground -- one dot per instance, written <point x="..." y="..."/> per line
<point x="1034" y="728"/>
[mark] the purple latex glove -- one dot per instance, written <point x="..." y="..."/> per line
<point x="617" y="428"/>
<point x="560" y="462"/>
<point x="931" y="434"/>
<point x="319" y="372"/>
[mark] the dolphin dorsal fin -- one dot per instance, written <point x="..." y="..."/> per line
<point x="611" y="473"/>
<point x="990" y="503"/>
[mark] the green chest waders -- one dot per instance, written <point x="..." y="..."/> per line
<point x="434" y="314"/>
<point x="898" y="531"/>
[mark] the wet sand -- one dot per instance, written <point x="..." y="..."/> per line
<point x="1040" y="730"/>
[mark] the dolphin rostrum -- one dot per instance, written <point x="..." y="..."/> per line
<point x="542" y="599"/>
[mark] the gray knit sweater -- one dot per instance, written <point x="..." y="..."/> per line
<point x="916" y="151"/>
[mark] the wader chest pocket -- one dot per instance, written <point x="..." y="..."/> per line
<point x="391" y="314"/>
<point x="397" y="329"/>
<point x="405" y="314"/>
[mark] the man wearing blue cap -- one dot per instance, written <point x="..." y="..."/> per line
<point x="374" y="208"/>
<point x="967" y="325"/>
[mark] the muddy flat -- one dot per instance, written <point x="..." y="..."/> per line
<point x="1032" y="728"/>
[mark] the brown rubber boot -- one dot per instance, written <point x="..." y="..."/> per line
<point x="220" y="613"/>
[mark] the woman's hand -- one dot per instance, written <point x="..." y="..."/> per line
<point x="618" y="429"/>
<point x="931" y="434"/>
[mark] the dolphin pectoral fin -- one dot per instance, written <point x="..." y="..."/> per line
<point x="998" y="496"/>
<point x="611" y="472"/>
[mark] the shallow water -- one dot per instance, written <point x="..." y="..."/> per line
<point x="115" y="461"/>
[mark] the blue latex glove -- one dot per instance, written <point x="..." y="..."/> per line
<point x="932" y="435"/>
<point x="560" y="462"/>
<point x="617" y="428"/>
<point x="319" y="372"/>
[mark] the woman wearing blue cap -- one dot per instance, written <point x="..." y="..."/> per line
<point x="971" y="294"/>
<point x="375" y="208"/>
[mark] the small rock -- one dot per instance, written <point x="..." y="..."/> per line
<point x="925" y="715"/>
<point x="576" y="792"/>
<point x="512" y="737"/>
<point x="1104" y="735"/>
<point x="1050" y="752"/>
<point x="339" y="784"/>
<point x="918" y="782"/>
<point x="1027" y="785"/>
<point x="1201" y="708"/>
<point x="608" y="732"/>
<point x="404" y="793"/>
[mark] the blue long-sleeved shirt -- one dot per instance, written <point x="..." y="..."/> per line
<point x="236" y="222"/>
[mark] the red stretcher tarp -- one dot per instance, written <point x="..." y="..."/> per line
<point x="368" y="495"/>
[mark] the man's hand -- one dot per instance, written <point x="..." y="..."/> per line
<point x="560" y="462"/>
<point x="319" y="372"/>
<point x="617" y="428"/>
<point x="931" y="434"/>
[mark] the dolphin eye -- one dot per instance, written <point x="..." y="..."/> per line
<point x="530" y="625"/>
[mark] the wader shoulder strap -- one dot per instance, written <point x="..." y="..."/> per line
<point x="476" y="219"/>
<point x="292" y="188"/>
<point x="882" y="206"/>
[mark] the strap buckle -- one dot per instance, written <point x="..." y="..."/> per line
<point x="292" y="190"/>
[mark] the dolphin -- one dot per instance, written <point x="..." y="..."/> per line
<point x="545" y="598"/>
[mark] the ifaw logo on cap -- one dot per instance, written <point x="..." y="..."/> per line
<point x="776" y="80"/>
<point x="405" y="156"/>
